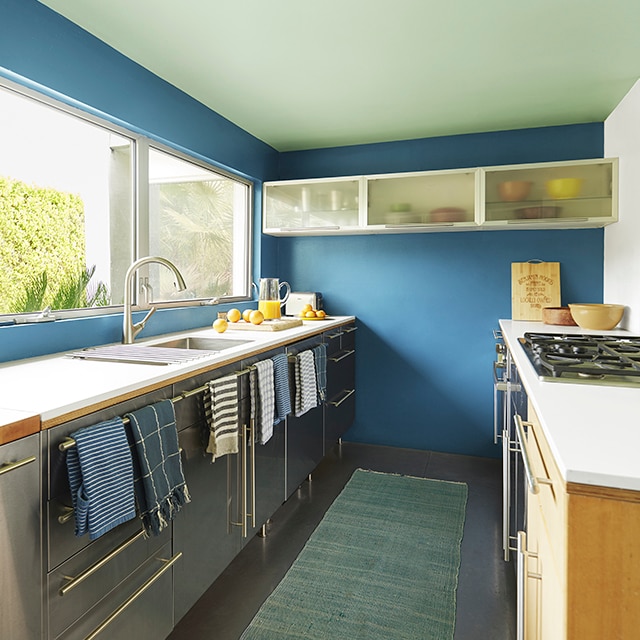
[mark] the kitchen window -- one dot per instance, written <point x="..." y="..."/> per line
<point x="80" y="199"/>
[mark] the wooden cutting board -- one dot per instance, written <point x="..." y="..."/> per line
<point x="267" y="325"/>
<point x="534" y="285"/>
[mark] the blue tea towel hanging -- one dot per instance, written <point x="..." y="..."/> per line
<point x="100" y="471"/>
<point x="160" y="486"/>
<point x="282" y="387"/>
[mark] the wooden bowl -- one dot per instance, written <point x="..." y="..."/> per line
<point x="558" y="315"/>
<point x="514" y="190"/>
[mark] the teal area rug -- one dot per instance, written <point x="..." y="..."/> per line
<point x="382" y="565"/>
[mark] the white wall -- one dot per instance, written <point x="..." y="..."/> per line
<point x="622" y="240"/>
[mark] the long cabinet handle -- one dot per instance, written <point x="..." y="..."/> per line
<point x="12" y="466"/>
<point x="347" y="394"/>
<point x="532" y="481"/>
<point x="135" y="595"/>
<point x="345" y="354"/>
<point x="350" y="329"/>
<point x="523" y="574"/>
<point x="89" y="571"/>
<point x="506" y="494"/>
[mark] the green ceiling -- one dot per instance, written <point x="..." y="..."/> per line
<point x="302" y="75"/>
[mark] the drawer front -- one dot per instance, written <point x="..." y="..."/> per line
<point x="341" y="372"/>
<point x="140" y="607"/>
<point x="348" y="338"/>
<point x="85" y="579"/>
<point x="552" y="495"/>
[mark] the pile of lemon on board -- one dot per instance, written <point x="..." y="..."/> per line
<point x="221" y="324"/>
<point x="308" y="311"/>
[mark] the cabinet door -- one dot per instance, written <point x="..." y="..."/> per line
<point x="561" y="194"/>
<point x="313" y="206"/>
<point x="20" y="548"/>
<point x="430" y="199"/>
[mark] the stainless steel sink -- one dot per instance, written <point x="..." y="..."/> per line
<point x="200" y="344"/>
<point x="169" y="352"/>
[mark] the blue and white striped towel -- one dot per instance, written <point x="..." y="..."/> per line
<point x="221" y="411"/>
<point x="282" y="387"/>
<point x="100" y="471"/>
<point x="306" y="383"/>
<point x="160" y="486"/>
<point x="263" y="404"/>
<point x="320" y="357"/>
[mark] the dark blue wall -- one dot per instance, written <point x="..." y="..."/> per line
<point x="427" y="303"/>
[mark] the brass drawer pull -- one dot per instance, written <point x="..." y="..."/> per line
<point x="347" y="394"/>
<point x="332" y="336"/>
<point x="12" y="466"/>
<point x="344" y="355"/>
<point x="134" y="596"/>
<point x="350" y="329"/>
<point x="74" y="582"/>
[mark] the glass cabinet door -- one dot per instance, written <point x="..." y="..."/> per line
<point x="312" y="204"/>
<point x="572" y="193"/>
<point x="445" y="198"/>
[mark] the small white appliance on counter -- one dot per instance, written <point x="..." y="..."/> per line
<point x="297" y="300"/>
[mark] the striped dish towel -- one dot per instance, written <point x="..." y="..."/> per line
<point x="263" y="402"/>
<point x="161" y="490"/>
<point x="100" y="471"/>
<point x="221" y="411"/>
<point x="320" y="357"/>
<point x="281" y="384"/>
<point x="306" y="384"/>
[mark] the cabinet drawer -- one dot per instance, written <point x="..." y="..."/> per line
<point x="105" y="566"/>
<point x="140" y="607"/>
<point x="552" y="496"/>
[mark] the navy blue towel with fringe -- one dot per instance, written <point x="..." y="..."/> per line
<point x="160" y="486"/>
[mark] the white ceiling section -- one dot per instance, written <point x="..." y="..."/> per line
<point x="302" y="75"/>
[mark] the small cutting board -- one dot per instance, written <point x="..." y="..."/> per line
<point x="267" y="325"/>
<point x="534" y="285"/>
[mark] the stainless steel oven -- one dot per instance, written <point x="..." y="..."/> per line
<point x="509" y="400"/>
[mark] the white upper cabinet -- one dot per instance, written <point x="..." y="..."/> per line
<point x="577" y="194"/>
<point x="560" y="195"/>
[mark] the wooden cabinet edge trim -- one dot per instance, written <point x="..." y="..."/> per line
<point x="19" y="428"/>
<point x="597" y="491"/>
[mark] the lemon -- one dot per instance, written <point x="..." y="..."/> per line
<point x="256" y="317"/>
<point x="321" y="314"/>
<point x="233" y="315"/>
<point x="220" y="325"/>
<point x="306" y="307"/>
<point x="310" y="314"/>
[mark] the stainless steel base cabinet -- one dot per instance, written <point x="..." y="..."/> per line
<point x="340" y="403"/>
<point x="20" y="547"/>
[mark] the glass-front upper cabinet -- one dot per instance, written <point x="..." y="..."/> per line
<point x="427" y="199"/>
<point x="560" y="194"/>
<point x="317" y="206"/>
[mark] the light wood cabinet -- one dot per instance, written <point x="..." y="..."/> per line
<point x="583" y="579"/>
<point x="576" y="194"/>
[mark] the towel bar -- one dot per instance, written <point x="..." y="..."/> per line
<point x="67" y="443"/>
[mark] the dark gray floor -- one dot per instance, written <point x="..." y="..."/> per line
<point x="486" y="589"/>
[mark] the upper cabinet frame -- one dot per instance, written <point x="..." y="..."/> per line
<point x="560" y="195"/>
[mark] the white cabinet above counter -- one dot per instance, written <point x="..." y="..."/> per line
<point x="553" y="195"/>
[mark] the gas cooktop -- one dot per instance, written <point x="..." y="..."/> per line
<point x="585" y="359"/>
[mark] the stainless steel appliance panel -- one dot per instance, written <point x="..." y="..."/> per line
<point x="20" y="547"/>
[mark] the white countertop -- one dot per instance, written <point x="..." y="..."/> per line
<point x="593" y="430"/>
<point x="54" y="386"/>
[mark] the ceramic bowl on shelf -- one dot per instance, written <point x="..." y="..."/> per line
<point x="538" y="212"/>
<point x="562" y="188"/>
<point x="600" y="317"/>
<point x="447" y="214"/>
<point x="514" y="190"/>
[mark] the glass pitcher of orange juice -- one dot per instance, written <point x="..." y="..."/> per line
<point x="269" y="301"/>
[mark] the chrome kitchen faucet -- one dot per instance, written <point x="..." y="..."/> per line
<point x="129" y="329"/>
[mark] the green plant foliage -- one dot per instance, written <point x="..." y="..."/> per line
<point x="41" y="237"/>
